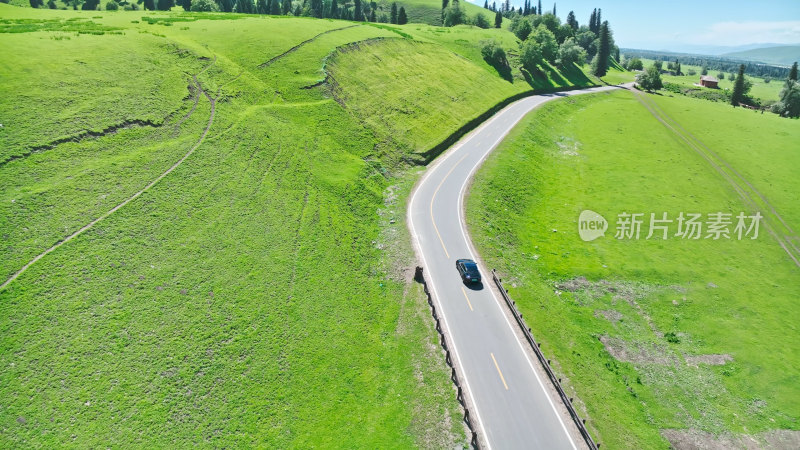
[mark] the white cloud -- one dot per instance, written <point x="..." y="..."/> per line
<point x="740" y="33"/>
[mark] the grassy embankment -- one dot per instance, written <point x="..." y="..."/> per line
<point x="252" y="297"/>
<point x="652" y="335"/>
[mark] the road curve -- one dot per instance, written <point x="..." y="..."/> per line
<point x="512" y="405"/>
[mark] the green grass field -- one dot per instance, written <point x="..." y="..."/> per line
<point x="651" y="336"/>
<point x="257" y="295"/>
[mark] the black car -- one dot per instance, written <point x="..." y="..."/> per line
<point x="468" y="271"/>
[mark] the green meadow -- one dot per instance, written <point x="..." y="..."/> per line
<point x="258" y="294"/>
<point x="657" y="339"/>
<point x="766" y="92"/>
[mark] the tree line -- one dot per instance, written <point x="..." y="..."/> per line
<point x="357" y="10"/>
<point x="546" y="40"/>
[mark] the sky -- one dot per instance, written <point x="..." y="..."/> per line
<point x="679" y="25"/>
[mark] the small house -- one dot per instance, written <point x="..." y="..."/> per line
<point x="709" y="81"/>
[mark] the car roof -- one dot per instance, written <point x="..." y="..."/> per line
<point x="465" y="261"/>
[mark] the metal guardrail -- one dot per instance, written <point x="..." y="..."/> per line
<point x="420" y="278"/>
<point x="581" y="423"/>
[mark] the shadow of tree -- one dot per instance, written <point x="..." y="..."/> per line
<point x="557" y="77"/>
<point x="548" y="77"/>
<point x="576" y="76"/>
<point x="502" y="67"/>
<point x="538" y="79"/>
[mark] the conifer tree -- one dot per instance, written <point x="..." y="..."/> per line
<point x="738" y="88"/>
<point x="393" y="15"/>
<point x="402" y="19"/>
<point x="603" y="51"/>
<point x="793" y="72"/>
<point x="358" y="14"/>
<point x="316" y="8"/>
<point x="498" y="19"/>
<point x="571" y="21"/>
<point x="598" y="21"/>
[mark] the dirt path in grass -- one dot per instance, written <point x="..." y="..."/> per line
<point x="212" y="101"/>
<point x="297" y="47"/>
<point x="776" y="226"/>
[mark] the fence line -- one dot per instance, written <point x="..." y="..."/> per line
<point x="420" y="278"/>
<point x="581" y="423"/>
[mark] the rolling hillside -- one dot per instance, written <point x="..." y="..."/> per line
<point x="243" y="274"/>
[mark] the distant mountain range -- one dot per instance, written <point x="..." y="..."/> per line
<point x="783" y="55"/>
<point x="774" y="54"/>
<point x="719" y="50"/>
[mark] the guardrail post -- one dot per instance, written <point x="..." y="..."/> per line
<point x="418" y="277"/>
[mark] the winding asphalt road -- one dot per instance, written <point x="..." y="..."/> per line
<point x="512" y="406"/>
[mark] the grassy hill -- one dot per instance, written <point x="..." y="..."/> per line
<point x="430" y="11"/>
<point x="783" y="55"/>
<point x="667" y="342"/>
<point x="418" y="11"/>
<point x="249" y="282"/>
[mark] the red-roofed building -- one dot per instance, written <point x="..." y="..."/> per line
<point x="709" y="81"/>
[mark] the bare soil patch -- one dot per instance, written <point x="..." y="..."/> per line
<point x="609" y="314"/>
<point x="700" y="440"/>
<point x="711" y="360"/>
<point x="637" y="353"/>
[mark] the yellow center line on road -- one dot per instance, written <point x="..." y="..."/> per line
<point x="465" y="296"/>
<point x="434" y="198"/>
<point x="498" y="371"/>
